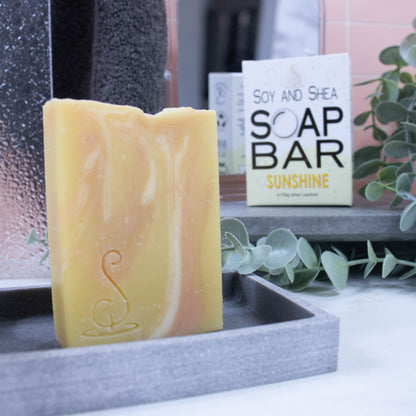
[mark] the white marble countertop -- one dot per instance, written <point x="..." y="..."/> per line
<point x="377" y="363"/>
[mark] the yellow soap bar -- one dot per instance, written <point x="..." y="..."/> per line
<point x="133" y="221"/>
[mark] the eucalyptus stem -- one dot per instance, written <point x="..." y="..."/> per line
<point x="227" y="249"/>
<point x="292" y="262"/>
<point x="360" y="262"/>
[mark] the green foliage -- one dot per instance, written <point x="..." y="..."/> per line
<point x="293" y="263"/>
<point x="286" y="260"/>
<point x="393" y="101"/>
<point x="33" y="238"/>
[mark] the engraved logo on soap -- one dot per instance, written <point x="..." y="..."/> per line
<point x="110" y="314"/>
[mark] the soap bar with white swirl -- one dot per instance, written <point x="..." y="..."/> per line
<point x="133" y="220"/>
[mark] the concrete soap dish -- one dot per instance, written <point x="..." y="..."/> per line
<point x="269" y="336"/>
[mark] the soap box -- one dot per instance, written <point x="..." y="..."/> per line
<point x="298" y="131"/>
<point x="226" y="97"/>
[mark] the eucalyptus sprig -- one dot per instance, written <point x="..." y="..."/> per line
<point x="286" y="260"/>
<point x="392" y="158"/>
<point x="34" y="238"/>
<point x="293" y="263"/>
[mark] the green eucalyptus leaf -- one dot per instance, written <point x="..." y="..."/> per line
<point x="407" y="102"/>
<point x="408" y="89"/>
<point x="361" y="191"/>
<point x="303" y="279"/>
<point x="408" y="216"/>
<point x="32" y="237"/>
<point x="44" y="257"/>
<point x="410" y="127"/>
<point x="389" y="90"/>
<point x="282" y="280"/>
<point x="374" y="96"/>
<point x="375" y="100"/>
<point x="261" y="241"/>
<point x="233" y="263"/>
<point x="398" y="149"/>
<point x="406" y="167"/>
<point x="387" y="251"/>
<point x="403" y="183"/>
<point x="387" y="174"/>
<point x="254" y="259"/>
<point x="360" y="119"/>
<point x="406" y="77"/>
<point x="284" y="246"/>
<point x="408" y="49"/>
<point x="408" y="274"/>
<point x="379" y="134"/>
<point x="414" y="23"/>
<point x="412" y="116"/>
<point x="399" y="134"/>
<point x="239" y="249"/>
<point x="225" y="255"/>
<point x="391" y="56"/>
<point x="367" y="168"/>
<point x="389" y="111"/>
<point x="307" y="254"/>
<point x="276" y="271"/>
<point x="318" y="251"/>
<point x="374" y="191"/>
<point x="389" y="263"/>
<point x="336" y="267"/>
<point x="266" y="276"/>
<point x="339" y="252"/>
<point x="290" y="273"/>
<point x="46" y="237"/>
<point x="236" y="228"/>
<point x="263" y="269"/>
<point x="372" y="257"/>
<point x="395" y="201"/>
<point x="368" y="269"/>
<point x="295" y="262"/>
<point x="366" y="153"/>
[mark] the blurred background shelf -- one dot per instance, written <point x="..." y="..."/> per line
<point x="363" y="221"/>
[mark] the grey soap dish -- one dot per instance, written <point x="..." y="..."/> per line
<point x="269" y="336"/>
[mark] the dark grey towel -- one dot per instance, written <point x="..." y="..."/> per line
<point x="110" y="50"/>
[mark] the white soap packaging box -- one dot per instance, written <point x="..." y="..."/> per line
<point x="225" y="96"/>
<point x="298" y="131"/>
